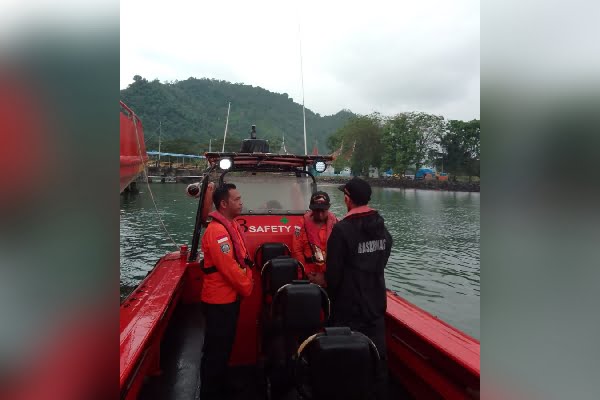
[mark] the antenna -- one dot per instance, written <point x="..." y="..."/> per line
<point x="302" y="76"/>
<point x="159" y="134"/>
<point x="226" y="123"/>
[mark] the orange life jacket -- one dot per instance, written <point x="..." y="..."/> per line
<point x="226" y="276"/>
<point x="316" y="256"/>
<point x="235" y="233"/>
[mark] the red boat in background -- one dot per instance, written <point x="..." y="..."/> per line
<point x="133" y="148"/>
<point x="162" y="328"/>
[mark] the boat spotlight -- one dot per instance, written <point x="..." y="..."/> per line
<point x="225" y="163"/>
<point x="320" y="166"/>
<point x="193" y="190"/>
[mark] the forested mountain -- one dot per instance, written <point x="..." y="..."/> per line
<point x="193" y="111"/>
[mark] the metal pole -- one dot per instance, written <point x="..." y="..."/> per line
<point x="159" y="134"/>
<point x="302" y="76"/>
<point x="226" y="123"/>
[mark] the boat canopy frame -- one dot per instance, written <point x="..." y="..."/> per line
<point x="257" y="160"/>
<point x="250" y="162"/>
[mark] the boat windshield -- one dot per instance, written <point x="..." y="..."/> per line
<point x="272" y="192"/>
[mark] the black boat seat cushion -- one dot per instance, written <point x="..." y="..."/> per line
<point x="298" y="307"/>
<point x="268" y="251"/>
<point x="278" y="272"/>
<point x="337" y="364"/>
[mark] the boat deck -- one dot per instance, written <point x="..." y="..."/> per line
<point x="181" y="354"/>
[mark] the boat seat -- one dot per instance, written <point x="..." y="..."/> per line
<point x="336" y="364"/>
<point x="299" y="309"/>
<point x="268" y="251"/>
<point x="280" y="271"/>
<point x="276" y="273"/>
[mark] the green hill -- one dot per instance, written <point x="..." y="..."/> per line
<point x="194" y="111"/>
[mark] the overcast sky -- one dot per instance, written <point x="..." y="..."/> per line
<point x="386" y="56"/>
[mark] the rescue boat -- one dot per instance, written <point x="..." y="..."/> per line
<point x="133" y="150"/>
<point x="162" y="326"/>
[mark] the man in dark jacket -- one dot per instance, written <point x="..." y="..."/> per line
<point x="357" y="252"/>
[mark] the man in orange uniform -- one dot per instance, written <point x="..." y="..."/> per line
<point x="227" y="277"/>
<point x="309" y="245"/>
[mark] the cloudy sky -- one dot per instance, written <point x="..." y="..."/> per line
<point x="386" y="56"/>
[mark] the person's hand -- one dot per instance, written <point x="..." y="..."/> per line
<point x="317" y="278"/>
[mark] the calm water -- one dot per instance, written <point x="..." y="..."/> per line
<point x="434" y="261"/>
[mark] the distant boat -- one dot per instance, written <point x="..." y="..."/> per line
<point x="133" y="149"/>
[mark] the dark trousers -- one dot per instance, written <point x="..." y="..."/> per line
<point x="375" y="330"/>
<point x="221" y="323"/>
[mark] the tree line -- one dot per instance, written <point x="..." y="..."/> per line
<point x="407" y="141"/>
<point x="189" y="116"/>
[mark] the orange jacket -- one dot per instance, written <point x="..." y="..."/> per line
<point x="303" y="250"/>
<point x="224" y="278"/>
